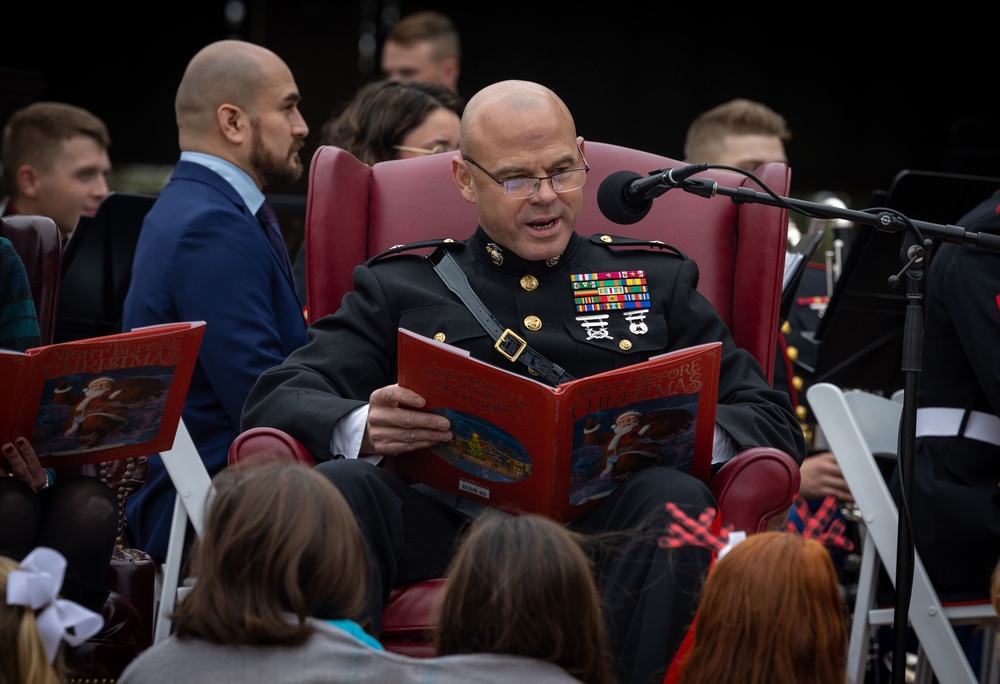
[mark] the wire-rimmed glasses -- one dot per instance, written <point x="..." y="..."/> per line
<point x="523" y="187"/>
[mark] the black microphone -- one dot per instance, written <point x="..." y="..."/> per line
<point x="626" y="197"/>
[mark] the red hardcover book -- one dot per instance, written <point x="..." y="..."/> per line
<point x="101" y="398"/>
<point x="523" y="446"/>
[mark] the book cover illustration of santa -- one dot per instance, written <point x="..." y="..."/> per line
<point x="611" y="444"/>
<point x="81" y="413"/>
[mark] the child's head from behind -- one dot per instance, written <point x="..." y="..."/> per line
<point x="279" y="538"/>
<point x="24" y="659"/>
<point x="771" y="611"/>
<point x="524" y="585"/>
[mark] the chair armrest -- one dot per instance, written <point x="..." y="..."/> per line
<point x="755" y="489"/>
<point x="411" y="616"/>
<point x="267" y="444"/>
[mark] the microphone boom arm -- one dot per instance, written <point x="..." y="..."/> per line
<point x="885" y="220"/>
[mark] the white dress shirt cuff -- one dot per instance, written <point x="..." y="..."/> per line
<point x="348" y="434"/>
<point x="723" y="448"/>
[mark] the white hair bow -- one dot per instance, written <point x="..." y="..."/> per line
<point x="37" y="585"/>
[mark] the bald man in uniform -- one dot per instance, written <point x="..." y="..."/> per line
<point x="523" y="165"/>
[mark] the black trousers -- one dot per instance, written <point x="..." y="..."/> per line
<point x="649" y="594"/>
<point x="77" y="516"/>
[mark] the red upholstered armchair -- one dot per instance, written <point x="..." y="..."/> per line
<point x="37" y="241"/>
<point x="355" y="211"/>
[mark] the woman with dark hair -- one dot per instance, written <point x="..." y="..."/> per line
<point x="387" y="120"/>
<point x="523" y="585"/>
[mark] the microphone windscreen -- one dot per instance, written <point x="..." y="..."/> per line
<point x="611" y="199"/>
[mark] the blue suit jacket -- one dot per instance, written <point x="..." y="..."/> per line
<point x="202" y="255"/>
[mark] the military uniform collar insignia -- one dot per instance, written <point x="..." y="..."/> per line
<point x="496" y="255"/>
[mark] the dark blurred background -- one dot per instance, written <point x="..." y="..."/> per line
<point x="865" y="97"/>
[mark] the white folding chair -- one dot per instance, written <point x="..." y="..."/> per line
<point x="857" y="425"/>
<point x="193" y="484"/>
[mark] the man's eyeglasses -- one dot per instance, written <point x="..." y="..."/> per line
<point x="437" y="149"/>
<point x="524" y="187"/>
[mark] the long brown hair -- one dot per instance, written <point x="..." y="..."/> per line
<point x="279" y="539"/>
<point x="770" y="613"/>
<point x="523" y="585"/>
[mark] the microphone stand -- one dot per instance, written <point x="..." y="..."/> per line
<point x="915" y="257"/>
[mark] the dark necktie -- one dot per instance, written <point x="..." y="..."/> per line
<point x="269" y="220"/>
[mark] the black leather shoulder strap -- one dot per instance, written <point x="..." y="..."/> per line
<point x="508" y="343"/>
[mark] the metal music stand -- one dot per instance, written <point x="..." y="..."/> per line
<point x="860" y="337"/>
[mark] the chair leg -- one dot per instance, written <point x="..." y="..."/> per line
<point x="988" y="670"/>
<point x="859" y="645"/>
<point x="171" y="572"/>
<point x="989" y="666"/>
<point x="925" y="673"/>
<point x="936" y="633"/>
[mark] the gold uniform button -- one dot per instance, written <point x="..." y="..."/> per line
<point x="807" y="433"/>
<point x="797" y="382"/>
<point x="529" y="283"/>
<point x="792" y="353"/>
<point x="607" y="238"/>
<point x="786" y="328"/>
<point x="625" y="345"/>
<point x="439" y="337"/>
<point x="801" y="412"/>
<point x="533" y="323"/>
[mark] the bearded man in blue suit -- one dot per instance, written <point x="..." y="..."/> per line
<point x="205" y="252"/>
